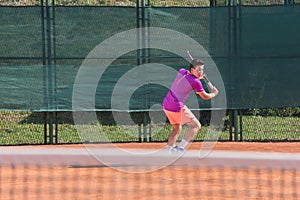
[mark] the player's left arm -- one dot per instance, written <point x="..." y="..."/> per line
<point x="206" y="96"/>
<point x="202" y="93"/>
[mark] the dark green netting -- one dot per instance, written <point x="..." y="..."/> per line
<point x="21" y="33"/>
<point x="256" y="49"/>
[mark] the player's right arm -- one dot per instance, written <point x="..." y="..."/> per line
<point x="206" y="96"/>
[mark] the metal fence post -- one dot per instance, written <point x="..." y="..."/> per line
<point x="235" y="126"/>
<point x="142" y="54"/>
<point x="49" y="70"/>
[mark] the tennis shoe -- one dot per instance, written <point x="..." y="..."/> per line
<point x="178" y="150"/>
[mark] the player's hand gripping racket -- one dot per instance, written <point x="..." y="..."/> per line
<point x="209" y="84"/>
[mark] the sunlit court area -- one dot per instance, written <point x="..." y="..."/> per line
<point x="83" y="86"/>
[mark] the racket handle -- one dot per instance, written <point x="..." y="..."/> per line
<point x="209" y="84"/>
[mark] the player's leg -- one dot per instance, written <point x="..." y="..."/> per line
<point x="194" y="126"/>
<point x="174" y="135"/>
<point x="175" y="119"/>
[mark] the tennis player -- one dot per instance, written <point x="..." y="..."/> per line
<point x="175" y="109"/>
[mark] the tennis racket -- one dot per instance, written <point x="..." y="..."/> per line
<point x="209" y="84"/>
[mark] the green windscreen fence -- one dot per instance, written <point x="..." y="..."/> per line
<point x="22" y="80"/>
<point x="256" y="50"/>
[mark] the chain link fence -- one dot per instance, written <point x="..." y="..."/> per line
<point x="27" y="127"/>
<point x="255" y="125"/>
<point x="155" y="3"/>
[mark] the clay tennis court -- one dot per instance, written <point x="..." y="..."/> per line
<point x="230" y="171"/>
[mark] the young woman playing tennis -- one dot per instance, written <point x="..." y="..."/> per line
<point x="175" y="109"/>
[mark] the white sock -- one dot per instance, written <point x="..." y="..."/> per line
<point x="183" y="144"/>
<point x="168" y="147"/>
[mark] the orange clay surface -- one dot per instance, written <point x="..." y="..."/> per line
<point x="171" y="182"/>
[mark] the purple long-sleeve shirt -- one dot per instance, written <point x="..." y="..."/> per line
<point x="182" y="86"/>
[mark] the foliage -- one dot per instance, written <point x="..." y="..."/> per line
<point x="106" y="2"/>
<point x="282" y="112"/>
<point x="19" y="128"/>
<point x="190" y="3"/>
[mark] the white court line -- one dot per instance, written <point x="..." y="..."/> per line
<point x="145" y="157"/>
<point x="216" y="154"/>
